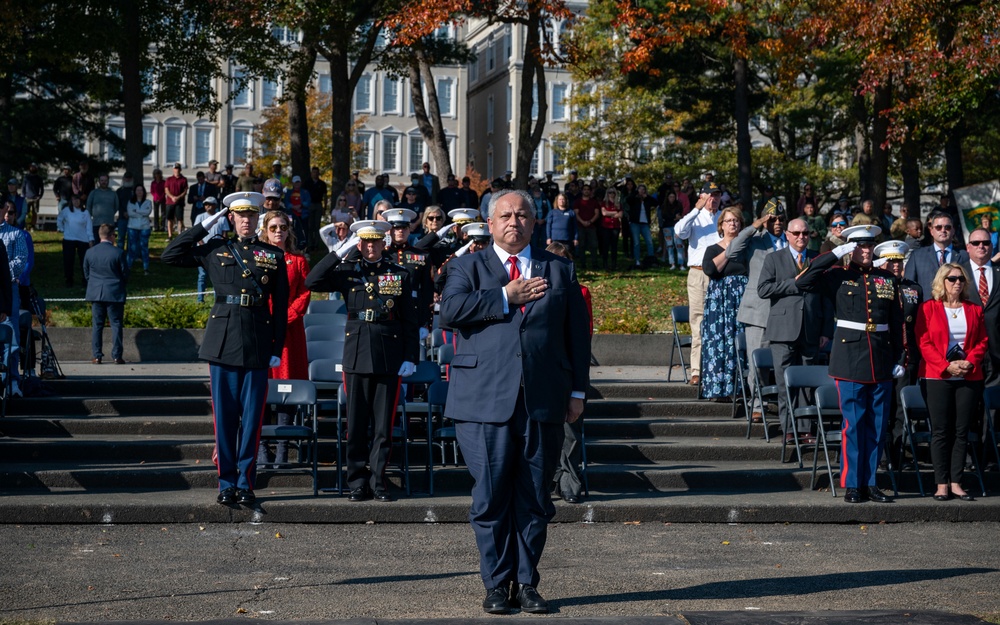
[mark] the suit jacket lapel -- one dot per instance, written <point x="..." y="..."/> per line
<point x="495" y="266"/>
<point x="539" y="269"/>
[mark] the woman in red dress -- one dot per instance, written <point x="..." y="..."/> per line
<point x="277" y="230"/>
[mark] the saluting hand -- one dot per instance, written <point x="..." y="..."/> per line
<point x="522" y="291"/>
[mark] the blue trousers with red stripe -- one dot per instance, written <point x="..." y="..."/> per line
<point x="238" y="397"/>
<point x="371" y="405"/>
<point x="866" y="410"/>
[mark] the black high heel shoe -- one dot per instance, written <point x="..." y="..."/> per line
<point x="946" y="497"/>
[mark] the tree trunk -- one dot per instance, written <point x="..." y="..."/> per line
<point x="791" y="149"/>
<point x="953" y="158"/>
<point x="132" y="97"/>
<point x="743" y="153"/>
<point x="6" y="125"/>
<point x="299" y="79"/>
<point x="909" y="167"/>
<point x="429" y="121"/>
<point x="862" y="142"/>
<point x="880" y="148"/>
<point x="533" y="75"/>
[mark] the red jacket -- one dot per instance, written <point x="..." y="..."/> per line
<point x="932" y="336"/>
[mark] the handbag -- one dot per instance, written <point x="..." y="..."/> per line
<point x="956" y="353"/>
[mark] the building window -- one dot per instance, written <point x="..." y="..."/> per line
<point x="508" y="44"/>
<point x="325" y="84"/>
<point x="510" y="104"/>
<point x="558" y="160"/>
<point x="113" y="153"/>
<point x="202" y="145"/>
<point x="363" y="158"/>
<point x="534" y="101"/>
<point x="444" y="96"/>
<point x="583" y="111"/>
<point x="489" y="162"/>
<point x="416" y="153"/>
<point x="645" y="153"/>
<point x="474" y="70"/>
<point x="536" y="158"/>
<point x="149" y="139"/>
<point x="242" y="92"/>
<point x="363" y="94"/>
<point x="491" y="60"/>
<point x="390" y="96"/>
<point x="268" y="93"/>
<point x="390" y="153"/>
<point x="285" y="35"/>
<point x="489" y="114"/>
<point x="242" y="142"/>
<point x="559" y="103"/>
<point x="510" y="155"/>
<point x="175" y="144"/>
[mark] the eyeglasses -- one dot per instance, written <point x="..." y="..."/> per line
<point x="731" y="221"/>
<point x="282" y="227"/>
<point x="954" y="279"/>
<point x="434" y="218"/>
<point x="341" y="201"/>
<point x="798" y="233"/>
<point x="942" y="228"/>
<point x="839" y="224"/>
<point x="981" y="242"/>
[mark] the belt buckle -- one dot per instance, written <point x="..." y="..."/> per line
<point x="368" y="315"/>
<point x="246" y="299"/>
<point x="869" y="327"/>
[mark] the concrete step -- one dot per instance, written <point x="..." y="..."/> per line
<point x="114" y="406"/>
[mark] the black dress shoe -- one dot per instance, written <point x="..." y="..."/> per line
<point x="530" y="601"/>
<point x="227" y="497"/>
<point x="878" y="496"/>
<point x="965" y="497"/>
<point x="571" y="498"/>
<point x="383" y="495"/>
<point x="852" y="496"/>
<point x="245" y="497"/>
<point x="496" y="600"/>
<point x="360" y="493"/>
<point x="945" y="497"/>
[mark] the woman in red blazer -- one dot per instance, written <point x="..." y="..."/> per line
<point x="952" y="340"/>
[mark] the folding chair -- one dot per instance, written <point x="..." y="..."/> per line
<point x="739" y="397"/>
<point x="443" y="433"/>
<point x="324" y="333"/>
<point x="324" y="319"/>
<point x="828" y="430"/>
<point x="679" y="314"/>
<point x="327" y="306"/>
<point x="915" y="413"/>
<point x="991" y="401"/>
<point x="317" y="350"/>
<point x="763" y="369"/>
<point x="426" y="374"/>
<point x="802" y="378"/>
<point x="6" y="337"/>
<point x="326" y="374"/>
<point x="302" y="432"/>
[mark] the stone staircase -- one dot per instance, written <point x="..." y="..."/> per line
<point x="134" y="444"/>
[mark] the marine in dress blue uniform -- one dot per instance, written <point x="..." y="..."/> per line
<point x="244" y="335"/>
<point x="380" y="346"/>
<point x="417" y="262"/>
<point x="866" y="352"/>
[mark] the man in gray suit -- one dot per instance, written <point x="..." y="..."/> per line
<point x="794" y="323"/>
<point x="106" y="271"/>
<point x="752" y="246"/>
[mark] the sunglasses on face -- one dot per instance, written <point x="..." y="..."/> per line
<point x="981" y="242"/>
<point x="839" y="224"/>
<point x="798" y="233"/>
<point x="433" y="218"/>
<point x="954" y="279"/>
<point x="942" y="228"/>
<point x="275" y="228"/>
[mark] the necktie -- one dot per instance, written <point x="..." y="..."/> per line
<point x="941" y="260"/>
<point x="515" y="272"/>
<point x="800" y="261"/>
<point x="984" y="287"/>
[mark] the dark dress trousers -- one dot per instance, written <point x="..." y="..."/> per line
<point x="243" y="332"/>
<point x="105" y="269"/>
<point x="512" y="377"/>
<point x="381" y="333"/>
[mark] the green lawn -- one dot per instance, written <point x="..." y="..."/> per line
<point x="624" y="301"/>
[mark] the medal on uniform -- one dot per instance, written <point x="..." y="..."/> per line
<point x="368" y="287"/>
<point x="389" y="303"/>
<point x="263" y="280"/>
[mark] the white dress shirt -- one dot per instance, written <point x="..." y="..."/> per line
<point x="976" y="273"/>
<point x="700" y="228"/>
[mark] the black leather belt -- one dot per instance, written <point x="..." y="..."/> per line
<point x="243" y="300"/>
<point x="370" y="315"/>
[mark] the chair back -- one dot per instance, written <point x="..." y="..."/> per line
<point x="291" y="392"/>
<point x="762" y="359"/>
<point x="680" y="314"/>
<point x="828" y="400"/>
<point x="437" y="394"/>
<point x="327" y="306"/>
<point x="6" y="334"/>
<point x="445" y="354"/>
<point x="325" y="333"/>
<point x="325" y="370"/>
<point x="324" y="319"/>
<point x="807" y="376"/>
<point x="316" y="350"/>
<point x="991" y="398"/>
<point x="912" y="399"/>
<point x="427" y="372"/>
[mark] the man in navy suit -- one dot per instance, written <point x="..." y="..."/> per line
<point x="923" y="263"/>
<point x="106" y="270"/>
<point x="521" y="370"/>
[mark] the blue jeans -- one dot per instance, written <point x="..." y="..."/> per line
<point x="643" y="231"/>
<point x="122" y="228"/>
<point x="138" y="247"/>
<point x="12" y="350"/>
<point x="202" y="282"/>
<point x="674" y="247"/>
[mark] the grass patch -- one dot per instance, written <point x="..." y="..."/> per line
<point x="992" y="617"/>
<point x="625" y="302"/>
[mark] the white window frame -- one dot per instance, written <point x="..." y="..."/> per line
<point x="365" y="137"/>
<point x="240" y="126"/>
<point x="491" y="56"/>
<point x="263" y="92"/>
<point x="152" y="127"/>
<point x="490" y="162"/>
<point x="328" y="80"/>
<point x="237" y="97"/>
<point x="490" y="114"/>
<point x="557" y="157"/>
<point x="173" y="124"/>
<point x="203" y="126"/>
<point x="393" y="107"/>
<point x="562" y="102"/>
<point x="114" y="126"/>
<point x="474" y="70"/>
<point x="416" y="139"/>
<point x="365" y="79"/>
<point x="510" y="104"/>
<point x="510" y="154"/>
<point x="535" y="167"/>
<point x="398" y="140"/>
<point x="448" y="82"/>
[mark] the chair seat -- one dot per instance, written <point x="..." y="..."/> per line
<point x="285" y="431"/>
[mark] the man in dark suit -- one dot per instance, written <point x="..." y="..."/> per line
<point x="198" y="193"/>
<point x="794" y="321"/>
<point x="924" y="261"/>
<point x="985" y="291"/>
<point x="106" y="271"/>
<point x="521" y="370"/>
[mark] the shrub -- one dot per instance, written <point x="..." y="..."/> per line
<point x="624" y="323"/>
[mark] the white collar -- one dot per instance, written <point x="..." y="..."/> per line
<point x="523" y="257"/>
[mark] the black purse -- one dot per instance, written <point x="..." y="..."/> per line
<point x="956" y="353"/>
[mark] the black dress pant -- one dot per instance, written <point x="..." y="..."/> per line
<point x="70" y="249"/>
<point x="952" y="406"/>
<point x="371" y="404"/>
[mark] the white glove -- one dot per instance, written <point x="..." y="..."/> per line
<point x="443" y="231"/>
<point x="346" y="247"/>
<point x="275" y="362"/>
<point x="407" y="369"/>
<point x="213" y="219"/>
<point x="843" y="250"/>
<point x="880" y="262"/>
<point x="898" y="371"/>
<point x="424" y="333"/>
<point x="462" y="250"/>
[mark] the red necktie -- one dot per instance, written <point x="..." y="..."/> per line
<point x="984" y="288"/>
<point x="515" y="272"/>
<point x="941" y="259"/>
